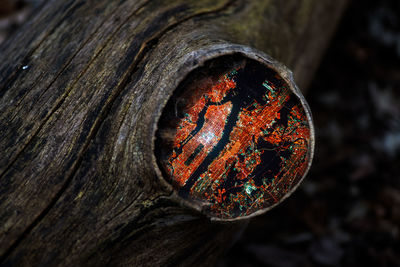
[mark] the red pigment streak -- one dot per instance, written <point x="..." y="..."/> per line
<point x="268" y="140"/>
<point x="219" y="91"/>
<point x="209" y="136"/>
<point x="248" y="129"/>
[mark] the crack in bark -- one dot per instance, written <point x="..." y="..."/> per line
<point x="145" y="47"/>
<point x="66" y="93"/>
<point x="13" y="76"/>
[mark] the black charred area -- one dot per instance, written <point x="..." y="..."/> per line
<point x="249" y="89"/>
<point x="347" y="211"/>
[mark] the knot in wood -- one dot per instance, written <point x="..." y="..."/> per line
<point x="234" y="138"/>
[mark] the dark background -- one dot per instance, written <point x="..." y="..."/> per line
<point x="347" y="211"/>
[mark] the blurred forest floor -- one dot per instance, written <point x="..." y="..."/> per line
<point x="347" y="211"/>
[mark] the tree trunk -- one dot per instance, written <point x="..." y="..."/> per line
<point x="81" y="85"/>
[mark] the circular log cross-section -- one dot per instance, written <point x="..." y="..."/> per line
<point x="236" y="137"/>
<point x="105" y="112"/>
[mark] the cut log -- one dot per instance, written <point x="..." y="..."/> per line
<point x="82" y="85"/>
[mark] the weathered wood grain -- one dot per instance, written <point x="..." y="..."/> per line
<point x="81" y="87"/>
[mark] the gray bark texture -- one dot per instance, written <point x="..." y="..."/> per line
<point x="82" y="85"/>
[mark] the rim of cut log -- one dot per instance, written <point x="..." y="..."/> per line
<point x="197" y="59"/>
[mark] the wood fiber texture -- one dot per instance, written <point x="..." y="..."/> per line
<point x="81" y="85"/>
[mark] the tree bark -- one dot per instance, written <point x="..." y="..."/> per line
<point x="81" y="87"/>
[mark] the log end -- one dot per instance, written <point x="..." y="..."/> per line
<point x="236" y="136"/>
